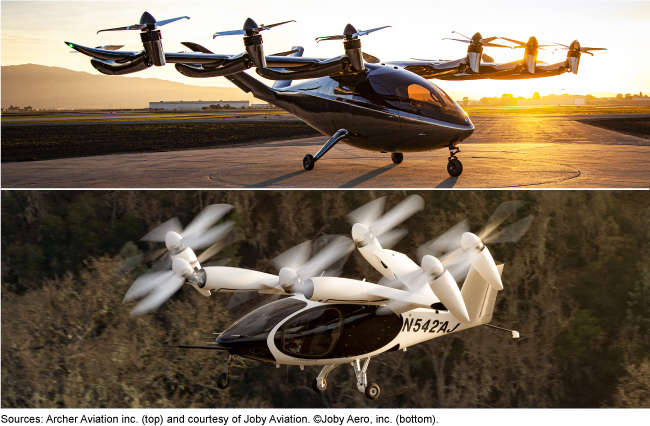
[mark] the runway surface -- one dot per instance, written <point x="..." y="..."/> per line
<point x="504" y="152"/>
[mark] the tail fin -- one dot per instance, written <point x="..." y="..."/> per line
<point x="280" y="84"/>
<point x="479" y="296"/>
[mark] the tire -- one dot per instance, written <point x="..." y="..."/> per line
<point x="223" y="381"/>
<point x="314" y="386"/>
<point x="454" y="167"/>
<point x="308" y="162"/>
<point x="372" y="391"/>
<point x="397" y="157"/>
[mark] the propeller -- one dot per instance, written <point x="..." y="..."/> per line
<point x="147" y="23"/>
<point x="352" y="44"/>
<point x="250" y="29"/>
<point x="475" y="49"/>
<point x="574" y="53"/>
<point x="160" y="283"/>
<point x="530" y="55"/>
<point x="150" y="36"/>
<point x="372" y="230"/>
<point x="252" y="39"/>
<point x="297" y="265"/>
<point x="458" y="249"/>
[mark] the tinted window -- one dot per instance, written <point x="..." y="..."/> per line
<point x="415" y="95"/>
<point x="260" y="322"/>
<point x="313" y="334"/>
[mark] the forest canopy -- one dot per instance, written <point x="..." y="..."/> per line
<point x="577" y="288"/>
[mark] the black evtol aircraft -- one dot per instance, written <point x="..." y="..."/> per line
<point x="354" y="98"/>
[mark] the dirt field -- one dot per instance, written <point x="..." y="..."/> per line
<point x="33" y="143"/>
<point x="629" y="126"/>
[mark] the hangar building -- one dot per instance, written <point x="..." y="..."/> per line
<point x="194" y="105"/>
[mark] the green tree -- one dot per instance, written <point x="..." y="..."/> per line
<point x="536" y="95"/>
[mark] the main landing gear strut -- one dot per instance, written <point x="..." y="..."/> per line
<point x="308" y="162"/>
<point x="372" y="391"/>
<point x="224" y="378"/>
<point x="454" y="166"/>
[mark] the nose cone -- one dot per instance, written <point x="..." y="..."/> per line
<point x="359" y="232"/>
<point x="173" y="240"/>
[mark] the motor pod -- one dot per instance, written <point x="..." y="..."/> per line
<point x="482" y="259"/>
<point x="231" y="280"/>
<point x="573" y="56"/>
<point x="530" y="55"/>
<point x="445" y="288"/>
<point x="367" y="243"/>
<point x="182" y="267"/>
<point x="255" y="48"/>
<point x="474" y="53"/>
<point x="341" y="290"/>
<point x="152" y="42"/>
<point x="354" y="53"/>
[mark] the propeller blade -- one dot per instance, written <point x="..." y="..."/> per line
<point x="275" y="25"/>
<point x="362" y="33"/>
<point x="370" y="59"/>
<point x="146" y="283"/>
<point x="499" y="216"/>
<point x="456" y="32"/>
<point x="236" y="235"/>
<point x="338" y="248"/>
<point x="521" y="43"/>
<point x="369" y="213"/>
<point x="169" y="21"/>
<point x="446" y="242"/>
<point x="294" y="258"/>
<point x="336" y="37"/>
<point x="455" y="39"/>
<point x="511" y="233"/>
<point x="487" y="58"/>
<point x="130" y="27"/>
<point x="398" y="214"/>
<point x="159" y="296"/>
<point x="563" y="45"/>
<point x="394" y="283"/>
<point x="210" y="236"/>
<point x="484" y="41"/>
<point x="392" y="237"/>
<point x="497" y="45"/>
<point x="227" y="33"/>
<point x="205" y="219"/>
<point x="158" y="234"/>
<point x="195" y="47"/>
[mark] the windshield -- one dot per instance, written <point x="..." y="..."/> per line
<point x="413" y="94"/>
<point x="261" y="321"/>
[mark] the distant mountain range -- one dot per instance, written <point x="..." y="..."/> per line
<point x="41" y="86"/>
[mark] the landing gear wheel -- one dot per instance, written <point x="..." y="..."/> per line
<point x="308" y="162"/>
<point x="397" y="157"/>
<point x="224" y="380"/>
<point x="454" y="167"/>
<point x="372" y="391"/>
<point x="314" y="386"/>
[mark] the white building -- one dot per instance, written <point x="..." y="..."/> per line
<point x="195" y="105"/>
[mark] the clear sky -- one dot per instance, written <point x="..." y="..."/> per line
<point x="34" y="32"/>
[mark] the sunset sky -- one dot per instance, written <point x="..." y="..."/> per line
<point x="34" y="32"/>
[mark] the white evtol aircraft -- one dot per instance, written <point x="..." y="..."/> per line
<point x="327" y="320"/>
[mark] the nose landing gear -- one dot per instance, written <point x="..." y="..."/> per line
<point x="454" y="166"/>
<point x="397" y="157"/>
<point x="320" y="383"/>
<point x="224" y="378"/>
<point x="308" y="162"/>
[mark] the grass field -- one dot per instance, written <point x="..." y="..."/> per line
<point x="32" y="143"/>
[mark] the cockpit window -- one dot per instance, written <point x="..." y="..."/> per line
<point x="262" y="320"/>
<point x="313" y="334"/>
<point x="413" y="94"/>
